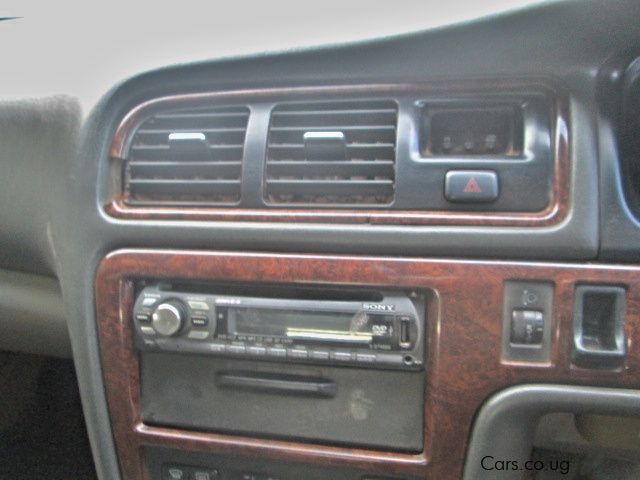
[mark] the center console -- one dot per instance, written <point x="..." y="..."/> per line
<point x="256" y="366"/>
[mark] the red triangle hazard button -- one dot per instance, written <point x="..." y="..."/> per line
<point x="472" y="186"/>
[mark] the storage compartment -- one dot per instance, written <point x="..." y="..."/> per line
<point x="473" y="130"/>
<point x="598" y="327"/>
<point x="371" y="408"/>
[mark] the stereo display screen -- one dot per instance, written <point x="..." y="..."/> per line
<point x="358" y="327"/>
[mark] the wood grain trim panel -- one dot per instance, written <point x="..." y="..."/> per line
<point x="464" y="364"/>
<point x="556" y="211"/>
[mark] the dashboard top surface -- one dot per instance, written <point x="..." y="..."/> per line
<point x="117" y="40"/>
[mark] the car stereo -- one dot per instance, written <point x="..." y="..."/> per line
<point x="385" y="333"/>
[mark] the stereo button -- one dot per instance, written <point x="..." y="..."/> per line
<point x="390" y="359"/>
<point x="217" y="347"/>
<point x="175" y="472"/>
<point x="341" y="356"/>
<point x="147" y="330"/>
<point x="257" y="476"/>
<point x="250" y="476"/>
<point x="320" y="354"/>
<point x="199" y="321"/>
<point x="200" y="474"/>
<point x="195" y="305"/>
<point x="297" y="353"/>
<point x="366" y="357"/>
<point x="256" y="350"/>
<point x="149" y="301"/>
<point x="236" y="349"/>
<point x="277" y="352"/>
<point x="198" y="334"/>
<point x="143" y="317"/>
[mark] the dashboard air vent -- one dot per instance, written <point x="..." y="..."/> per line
<point x="332" y="153"/>
<point x="187" y="156"/>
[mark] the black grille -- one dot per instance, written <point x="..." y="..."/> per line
<point x="340" y="152"/>
<point x="187" y="156"/>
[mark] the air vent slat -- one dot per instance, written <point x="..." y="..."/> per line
<point x="184" y="170"/>
<point x="367" y="151"/>
<point x="136" y="148"/>
<point x="186" y="188"/>
<point x="162" y="116"/>
<point x="353" y="134"/>
<point x="345" y="188"/>
<point x="339" y="117"/>
<point x="389" y="128"/>
<point x="316" y="169"/>
<point x="349" y="159"/>
<point x="207" y="131"/>
<point x="206" y="172"/>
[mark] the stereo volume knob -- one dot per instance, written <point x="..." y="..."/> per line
<point x="168" y="317"/>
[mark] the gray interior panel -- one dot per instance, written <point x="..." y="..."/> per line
<point x="32" y="315"/>
<point x="506" y="424"/>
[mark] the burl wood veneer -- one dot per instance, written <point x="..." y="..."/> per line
<point x="463" y="365"/>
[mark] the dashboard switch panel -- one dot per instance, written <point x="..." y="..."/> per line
<point x="527" y="319"/>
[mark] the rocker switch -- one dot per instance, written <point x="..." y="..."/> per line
<point x="527" y="327"/>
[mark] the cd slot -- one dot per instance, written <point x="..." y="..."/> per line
<point x="294" y="292"/>
<point x="356" y="338"/>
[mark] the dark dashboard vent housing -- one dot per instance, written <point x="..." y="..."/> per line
<point x="332" y="153"/>
<point x="189" y="156"/>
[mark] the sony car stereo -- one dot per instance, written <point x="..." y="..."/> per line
<point x="385" y="332"/>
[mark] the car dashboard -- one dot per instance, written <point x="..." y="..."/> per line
<point x="409" y="253"/>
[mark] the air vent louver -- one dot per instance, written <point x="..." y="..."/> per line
<point x="187" y="156"/>
<point x="332" y="153"/>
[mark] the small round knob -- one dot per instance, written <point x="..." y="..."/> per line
<point x="168" y="317"/>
